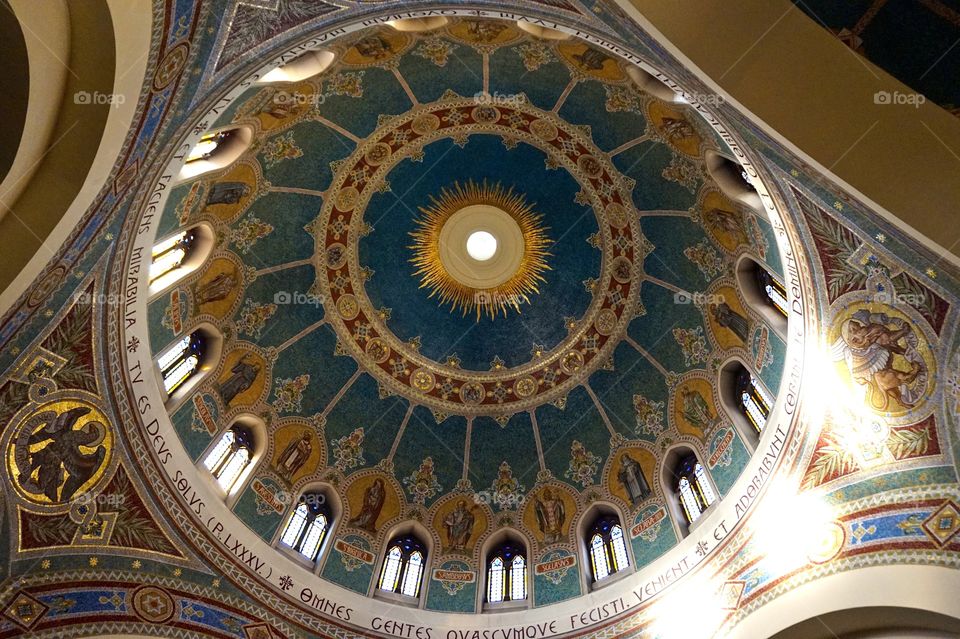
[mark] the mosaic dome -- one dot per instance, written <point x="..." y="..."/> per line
<point x="354" y="326"/>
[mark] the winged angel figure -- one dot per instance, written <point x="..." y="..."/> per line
<point x="868" y="343"/>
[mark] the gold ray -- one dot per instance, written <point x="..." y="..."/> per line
<point x="492" y="302"/>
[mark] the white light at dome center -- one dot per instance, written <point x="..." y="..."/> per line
<point x="481" y="245"/>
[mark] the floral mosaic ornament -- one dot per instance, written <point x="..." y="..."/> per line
<point x="249" y="231"/>
<point x="683" y="172"/>
<point x="422" y="483"/>
<point x="436" y="50"/>
<point x="289" y="393"/>
<point x="281" y="148"/>
<point x="620" y="98"/>
<point x="583" y="464"/>
<point x="349" y="84"/>
<point x="253" y="316"/>
<point x="348" y="451"/>
<point x="706" y="259"/>
<point x="535" y="55"/>
<point x="506" y="490"/>
<point x="649" y="415"/>
<point x="693" y="344"/>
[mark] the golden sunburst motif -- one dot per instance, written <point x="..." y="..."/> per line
<point x="492" y="301"/>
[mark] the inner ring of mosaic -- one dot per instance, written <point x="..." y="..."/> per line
<point x="551" y="372"/>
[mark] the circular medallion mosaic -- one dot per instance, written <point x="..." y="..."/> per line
<point x="550" y="371"/>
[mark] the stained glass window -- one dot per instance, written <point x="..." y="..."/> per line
<point x="755" y="402"/>
<point x="506" y="574"/>
<point x="619" y="546"/>
<point x="496" y="580"/>
<point x="230" y="457"/>
<point x="773" y="289"/>
<point x="207" y="146"/>
<point x="608" y="548"/>
<point x="412" y="575"/>
<point x="180" y="361"/>
<point x="691" y="505"/>
<point x="693" y="488"/>
<point x="403" y="567"/>
<point x="518" y="579"/>
<point x="295" y="527"/>
<point x="307" y="527"/>
<point x="703" y="484"/>
<point x="598" y="557"/>
<point x="169" y="255"/>
<point x="390" y="575"/>
<point x="219" y="453"/>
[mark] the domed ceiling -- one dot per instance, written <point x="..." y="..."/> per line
<point x="354" y="332"/>
<point x="406" y="365"/>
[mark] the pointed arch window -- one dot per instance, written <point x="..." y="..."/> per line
<point x="753" y="400"/>
<point x="307" y="527"/>
<point x="506" y="574"/>
<point x="207" y="146"/>
<point x="775" y="293"/>
<point x="693" y="488"/>
<point x="230" y="457"/>
<point x="169" y="255"/>
<point x="181" y="361"/>
<point x="403" y="566"/>
<point x="608" y="547"/>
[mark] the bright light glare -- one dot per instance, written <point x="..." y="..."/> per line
<point x="694" y="609"/>
<point x="481" y="245"/>
<point x="788" y="527"/>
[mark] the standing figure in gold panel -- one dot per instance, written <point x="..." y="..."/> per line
<point x="373" y="498"/>
<point x="459" y="525"/>
<point x="294" y="456"/>
<point x="551" y="515"/>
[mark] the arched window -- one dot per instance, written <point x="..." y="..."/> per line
<point x="170" y="254"/>
<point x="506" y="574"/>
<point x="764" y="293"/>
<point x="607" y="547"/>
<point x="181" y="361"/>
<point x="754" y="401"/>
<point x="693" y="488"/>
<point x="308" y="526"/>
<point x="418" y="24"/>
<point x="732" y="179"/>
<point x="208" y="145"/>
<point x="300" y="68"/>
<point x="403" y="566"/>
<point x="652" y="85"/>
<point x="773" y="290"/>
<point x="230" y="457"/>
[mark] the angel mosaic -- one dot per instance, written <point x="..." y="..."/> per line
<point x="882" y="353"/>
